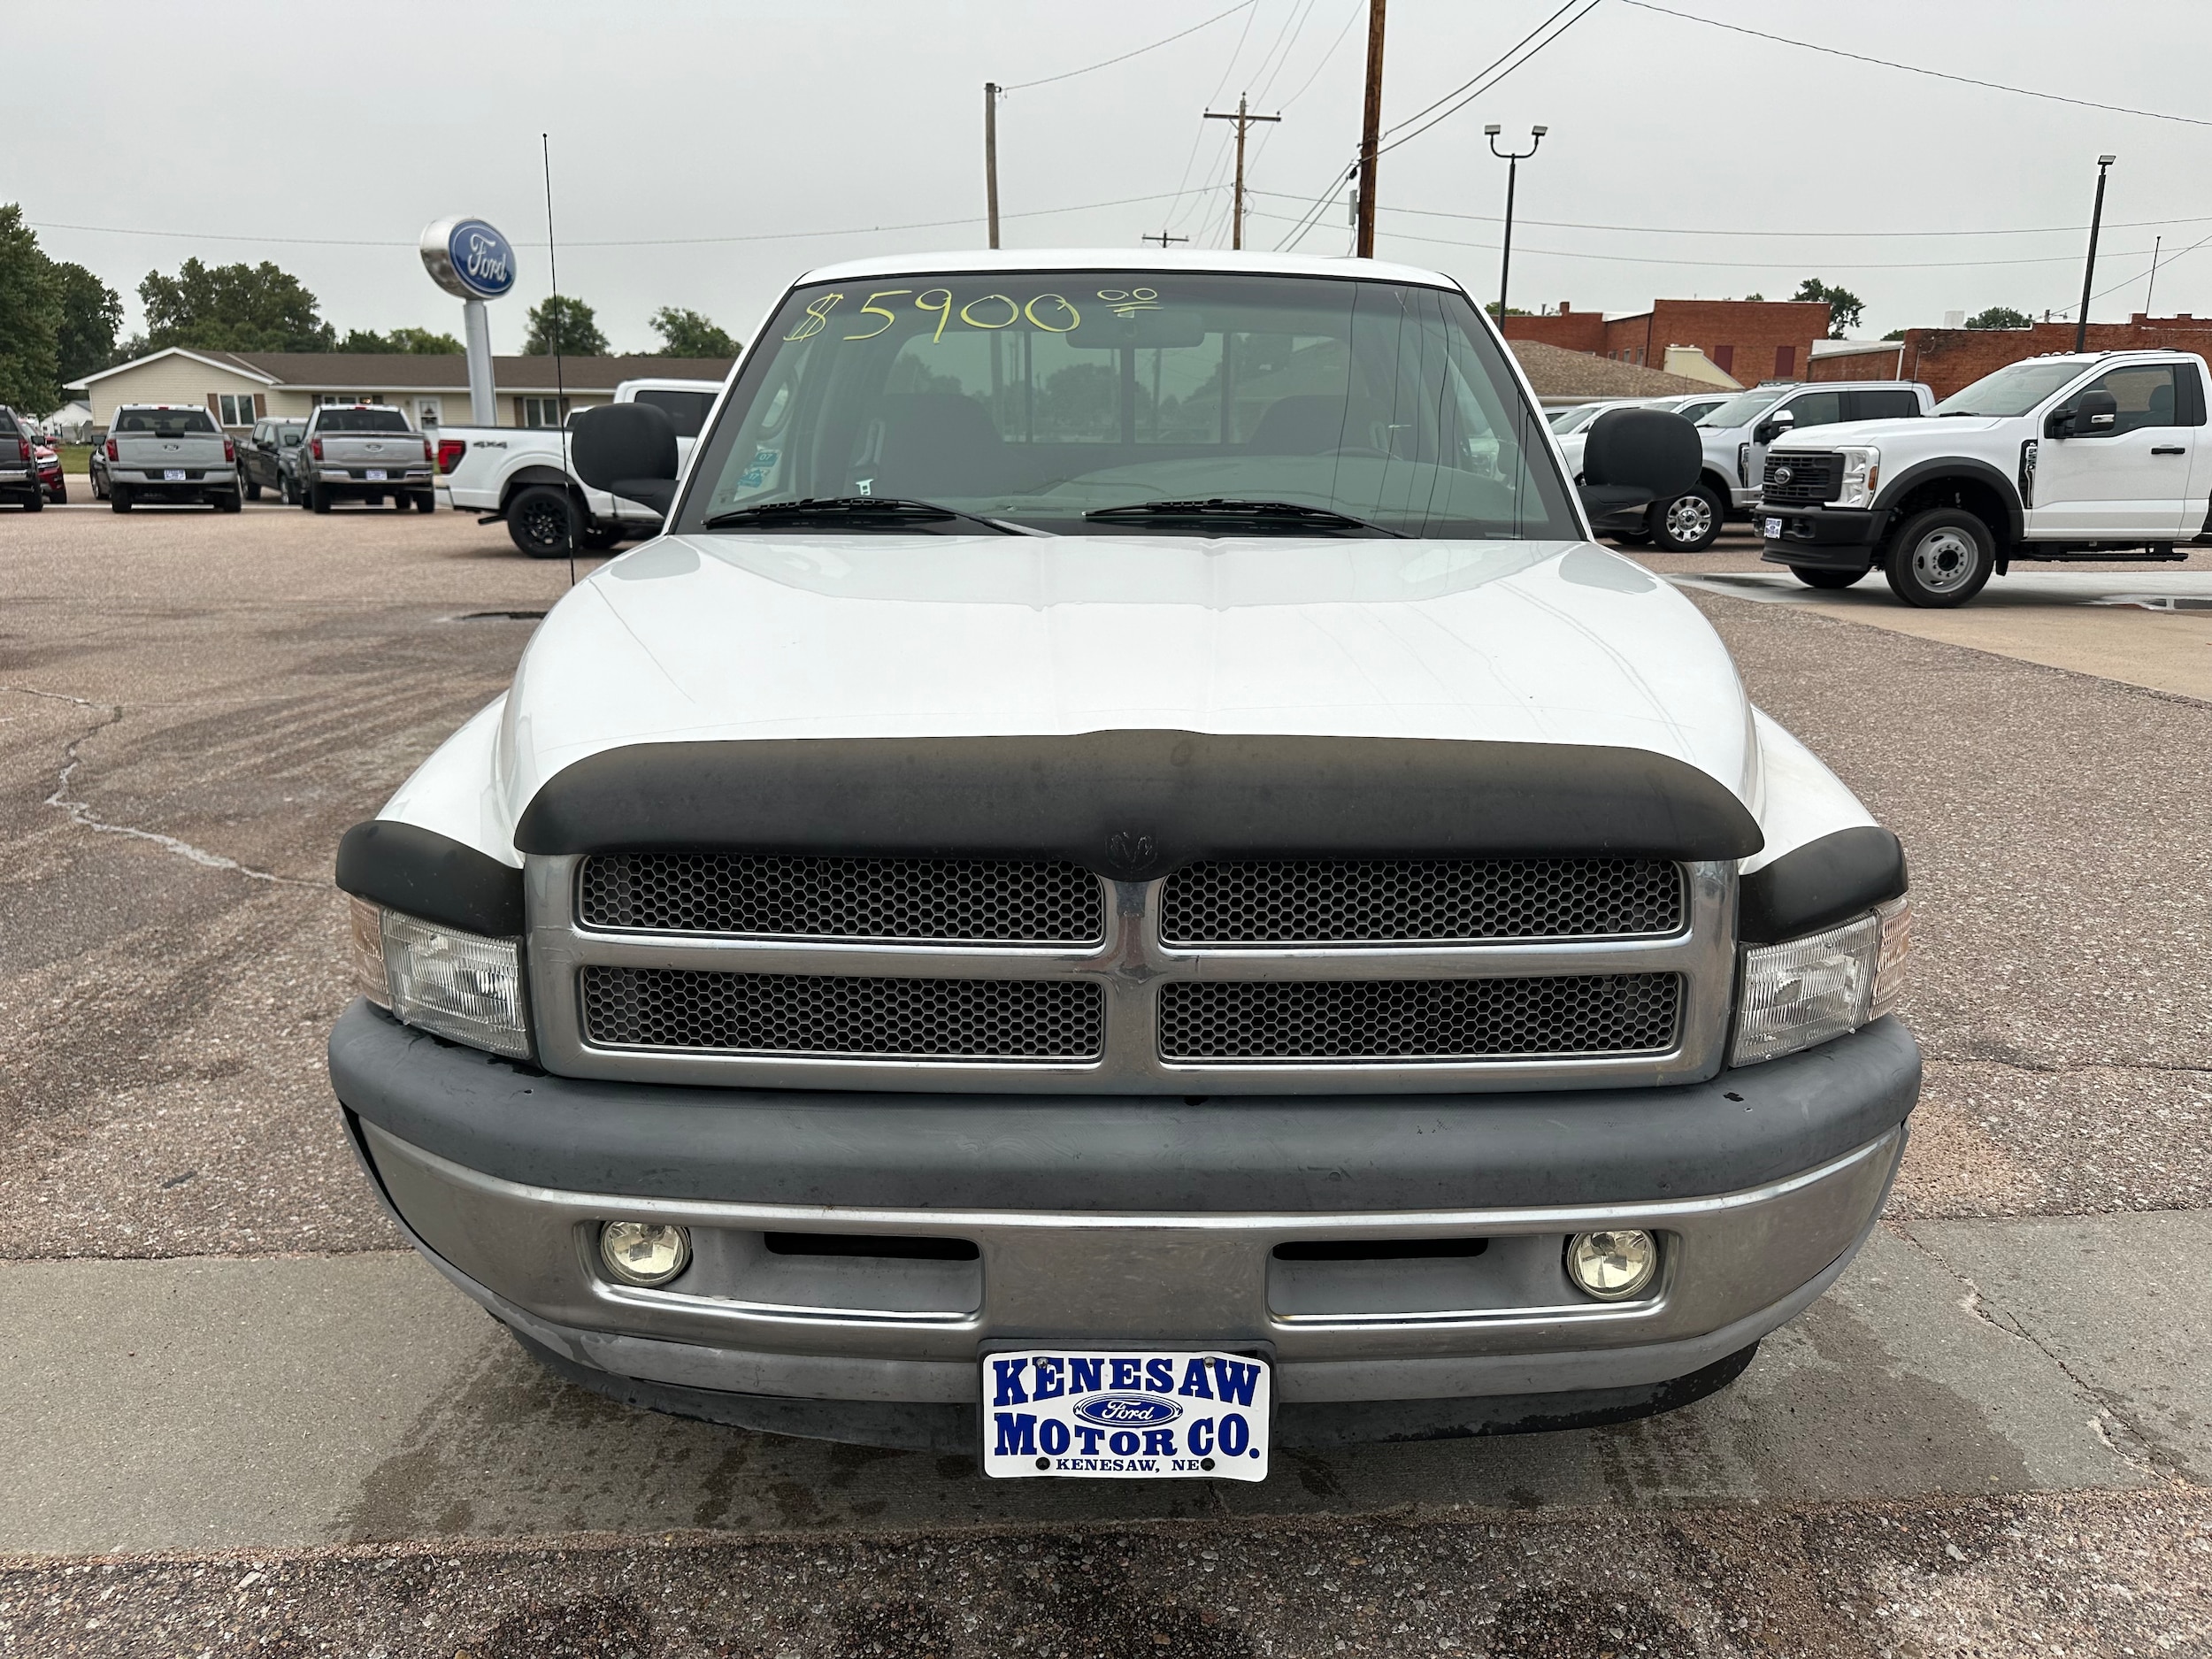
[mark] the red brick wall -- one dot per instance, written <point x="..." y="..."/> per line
<point x="1571" y="330"/>
<point x="1859" y="366"/>
<point x="1752" y="340"/>
<point x="1950" y="358"/>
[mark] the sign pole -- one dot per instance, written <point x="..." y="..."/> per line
<point x="473" y="263"/>
<point x="483" y="406"/>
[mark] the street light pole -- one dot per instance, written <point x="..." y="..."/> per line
<point x="1513" y="159"/>
<point x="2089" y="270"/>
<point x="990" y="158"/>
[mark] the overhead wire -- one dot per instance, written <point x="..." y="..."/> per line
<point x="1174" y="217"/>
<point x="1493" y="79"/>
<point x="1108" y="63"/>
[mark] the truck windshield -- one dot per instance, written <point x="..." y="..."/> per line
<point x="1741" y="411"/>
<point x="364" y="420"/>
<point x="165" y="423"/>
<point x="2012" y="390"/>
<point x="1036" y="399"/>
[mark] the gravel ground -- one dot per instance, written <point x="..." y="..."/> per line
<point x="2078" y="1575"/>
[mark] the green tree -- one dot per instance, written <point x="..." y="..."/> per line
<point x="30" y="318"/>
<point x="572" y="320"/>
<point x="232" y="308"/>
<point x="2001" y="317"/>
<point x="1845" y="308"/>
<point x="91" y="311"/>
<point x="414" y="342"/>
<point x="685" y="333"/>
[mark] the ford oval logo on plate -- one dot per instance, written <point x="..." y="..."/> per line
<point x="467" y="257"/>
<point x="1127" y="1411"/>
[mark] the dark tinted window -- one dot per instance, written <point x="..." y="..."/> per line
<point x="1893" y="405"/>
<point x="166" y="423"/>
<point x="8" y="428"/>
<point x="1816" y="409"/>
<point x="363" y="420"/>
<point x="688" y="409"/>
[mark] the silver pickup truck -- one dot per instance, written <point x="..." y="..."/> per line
<point x="364" y="452"/>
<point x="171" y="452"/>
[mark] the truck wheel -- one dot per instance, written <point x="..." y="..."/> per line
<point x="426" y="502"/>
<point x="541" y="520"/>
<point x="253" y="489"/>
<point x="99" y="485"/>
<point x="317" y="498"/>
<point x="1940" y="558"/>
<point x="119" y="498"/>
<point x="35" y="502"/>
<point x="1689" y="523"/>
<point x="232" y="503"/>
<point x="1827" y="578"/>
<point x="292" y="493"/>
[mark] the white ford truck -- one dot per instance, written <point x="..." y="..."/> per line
<point x="1125" y="886"/>
<point x="519" y="475"/>
<point x="2101" y="456"/>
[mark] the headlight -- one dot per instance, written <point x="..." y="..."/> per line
<point x="1862" y="476"/>
<point x="1805" y="991"/>
<point x="461" y="986"/>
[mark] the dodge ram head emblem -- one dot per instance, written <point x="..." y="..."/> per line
<point x="1781" y="474"/>
<point x="1126" y="851"/>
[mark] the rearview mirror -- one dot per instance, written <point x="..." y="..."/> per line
<point x="627" y="449"/>
<point x="1635" y="457"/>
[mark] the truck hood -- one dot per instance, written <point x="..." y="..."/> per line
<point x="718" y="637"/>
<point x="1927" y="432"/>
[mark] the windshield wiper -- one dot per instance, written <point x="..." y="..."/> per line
<point x="1266" y="513"/>
<point x="851" y="512"/>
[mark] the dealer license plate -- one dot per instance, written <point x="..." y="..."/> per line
<point x="374" y="474"/>
<point x="1773" y="529"/>
<point x="172" y="475"/>
<point x="1128" y="1414"/>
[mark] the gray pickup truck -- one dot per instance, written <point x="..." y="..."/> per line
<point x="364" y="452"/>
<point x="171" y="452"/>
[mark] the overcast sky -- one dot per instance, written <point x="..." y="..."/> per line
<point x="324" y="137"/>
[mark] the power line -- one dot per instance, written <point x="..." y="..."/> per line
<point x="1494" y="63"/>
<point x="1359" y="9"/>
<point x="1108" y="63"/>
<point x="1501" y="74"/>
<point x="1915" y="69"/>
<point x="1174" y="214"/>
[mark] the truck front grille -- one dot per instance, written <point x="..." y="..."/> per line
<point x="1401" y="902"/>
<point x="1273" y="1021"/>
<point x="1813" y="479"/>
<point x="832" y="1015"/>
<point x="999" y="902"/>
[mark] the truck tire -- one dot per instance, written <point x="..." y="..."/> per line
<point x="1940" y="558"/>
<point x="1827" y="578"/>
<point x="291" y="489"/>
<point x="1689" y="523"/>
<point x="98" y="482"/>
<point x="231" y="503"/>
<point x="119" y="498"/>
<point x="253" y="489"/>
<point x="35" y="502"/>
<point x="542" y="522"/>
<point x="317" y="498"/>
<point x="426" y="502"/>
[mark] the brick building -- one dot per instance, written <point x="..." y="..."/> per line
<point x="1950" y="358"/>
<point x="1857" y="360"/>
<point x="1750" y="339"/>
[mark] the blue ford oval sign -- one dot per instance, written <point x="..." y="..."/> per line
<point x="1127" y="1411"/>
<point x="468" y="258"/>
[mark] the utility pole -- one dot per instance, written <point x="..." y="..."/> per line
<point x="1370" y="133"/>
<point x="1513" y="160"/>
<point x="990" y="156"/>
<point x="1243" y="118"/>
<point x="2089" y="270"/>
<point x="1163" y="238"/>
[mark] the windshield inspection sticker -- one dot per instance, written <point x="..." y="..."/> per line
<point x="1125" y="1416"/>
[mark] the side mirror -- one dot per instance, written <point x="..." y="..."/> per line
<point x="627" y="449"/>
<point x="1635" y="457"/>
<point x="2096" y="411"/>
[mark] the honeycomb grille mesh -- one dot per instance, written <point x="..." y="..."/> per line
<point x="1000" y="902"/>
<point x="1398" y="902"/>
<point x="806" y="1014"/>
<point x="1418" y="1019"/>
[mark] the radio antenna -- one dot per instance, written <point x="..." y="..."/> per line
<point x="560" y="384"/>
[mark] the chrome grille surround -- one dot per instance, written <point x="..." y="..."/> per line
<point x="1130" y="966"/>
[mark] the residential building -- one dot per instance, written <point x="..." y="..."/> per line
<point x="240" y="388"/>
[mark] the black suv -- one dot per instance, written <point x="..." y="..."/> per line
<point x="265" y="459"/>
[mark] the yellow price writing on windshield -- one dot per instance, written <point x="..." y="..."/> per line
<point x="1053" y="313"/>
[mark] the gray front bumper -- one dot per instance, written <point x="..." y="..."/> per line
<point x="1099" y="1234"/>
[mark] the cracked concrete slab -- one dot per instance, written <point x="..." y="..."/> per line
<point x="239" y="1403"/>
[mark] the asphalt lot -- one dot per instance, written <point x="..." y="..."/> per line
<point x="237" y="1411"/>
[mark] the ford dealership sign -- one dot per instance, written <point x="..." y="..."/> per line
<point x="468" y="258"/>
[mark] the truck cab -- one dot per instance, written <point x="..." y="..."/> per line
<point x="2069" y="456"/>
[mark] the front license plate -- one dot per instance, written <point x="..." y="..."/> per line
<point x="1773" y="529"/>
<point x="1127" y="1414"/>
<point x="374" y="474"/>
<point x="172" y="475"/>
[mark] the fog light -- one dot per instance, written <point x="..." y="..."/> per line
<point x="644" y="1252"/>
<point x="1613" y="1266"/>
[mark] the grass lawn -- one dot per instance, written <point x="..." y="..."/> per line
<point x="75" y="459"/>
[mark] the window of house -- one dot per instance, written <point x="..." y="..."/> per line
<point x="339" y="400"/>
<point x="540" y="412"/>
<point x="235" y="411"/>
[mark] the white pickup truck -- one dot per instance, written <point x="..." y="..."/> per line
<point x="2100" y="455"/>
<point x="519" y="475"/>
<point x="1125" y="889"/>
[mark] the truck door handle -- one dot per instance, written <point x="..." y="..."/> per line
<point x="2168" y="448"/>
